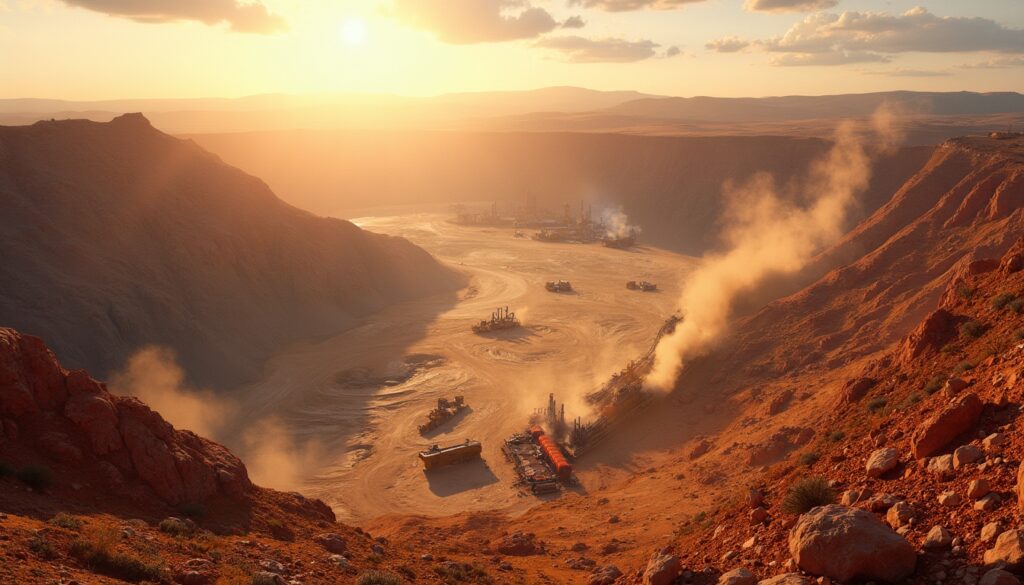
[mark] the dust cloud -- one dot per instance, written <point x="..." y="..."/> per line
<point x="271" y="455"/>
<point x="765" y="236"/>
<point x="616" y="223"/>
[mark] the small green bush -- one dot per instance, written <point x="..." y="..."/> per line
<point x="42" y="548"/>
<point x="965" y="292"/>
<point x="375" y="577"/>
<point x="805" y="494"/>
<point x="964" y="366"/>
<point x="934" y="384"/>
<point x="176" y="527"/>
<point x="96" y="549"/>
<point x="809" y="458"/>
<point x="37" y="477"/>
<point x="876" y="404"/>
<point x="1002" y="299"/>
<point x="836" y="436"/>
<point x="971" y="329"/>
<point x="1017" y="305"/>
<point x="65" y="520"/>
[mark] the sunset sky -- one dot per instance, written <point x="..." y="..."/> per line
<point x="100" y="49"/>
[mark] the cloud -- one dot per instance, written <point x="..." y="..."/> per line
<point x="910" y="73"/>
<point x="463" y="22"/>
<point x="577" y="49"/>
<point x="788" y="5"/>
<point x="727" y="45"/>
<point x="574" y="22"/>
<point x="625" y="5"/>
<point x="996" y="63"/>
<point x="673" y="51"/>
<point x="241" y="17"/>
<point x="859" y="37"/>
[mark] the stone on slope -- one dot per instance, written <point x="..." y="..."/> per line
<point x="662" y="569"/>
<point x="937" y="537"/>
<point x="882" y="461"/>
<point x="966" y="454"/>
<point x="1008" y="551"/>
<point x="740" y="576"/>
<point x="941" y="429"/>
<point x="844" y="544"/>
<point x="786" y="579"/>
<point x="999" y="577"/>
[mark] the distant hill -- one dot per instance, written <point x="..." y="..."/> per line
<point x="811" y="107"/>
<point x="116" y="235"/>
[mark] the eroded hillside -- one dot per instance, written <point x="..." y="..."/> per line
<point x="117" y="236"/>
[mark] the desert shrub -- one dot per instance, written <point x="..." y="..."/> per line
<point x="934" y="384"/>
<point x="176" y="527"/>
<point x="1002" y="299"/>
<point x="808" y="493"/>
<point x="406" y="572"/>
<point x="964" y="366"/>
<point x="836" y="436"/>
<point x="1016" y="305"/>
<point x="375" y="577"/>
<point x="6" y="470"/>
<point x="65" y="520"/>
<point x="965" y="292"/>
<point x="911" y="400"/>
<point x="96" y="549"/>
<point x="37" y="477"/>
<point x="809" y="458"/>
<point x="42" y="548"/>
<point x="971" y="329"/>
<point x="876" y="404"/>
<point x="452" y="573"/>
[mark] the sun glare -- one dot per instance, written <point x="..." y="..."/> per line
<point x="353" y="31"/>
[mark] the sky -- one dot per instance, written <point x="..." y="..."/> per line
<point x="107" y="49"/>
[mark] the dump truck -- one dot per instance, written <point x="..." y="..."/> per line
<point x="444" y="412"/>
<point x="436" y="456"/>
<point x="500" y="319"/>
<point x="558" y="286"/>
<point x="642" y="285"/>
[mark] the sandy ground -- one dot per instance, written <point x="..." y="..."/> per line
<point x="355" y="400"/>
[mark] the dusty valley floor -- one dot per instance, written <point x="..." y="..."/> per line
<point x="354" y="401"/>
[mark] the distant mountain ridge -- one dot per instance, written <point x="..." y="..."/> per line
<point x="546" y="109"/>
<point x="115" y="236"/>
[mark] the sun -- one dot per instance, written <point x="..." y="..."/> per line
<point x="353" y="31"/>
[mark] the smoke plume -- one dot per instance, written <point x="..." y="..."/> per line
<point x="767" y="236"/>
<point x="271" y="455"/>
<point x="616" y="223"/>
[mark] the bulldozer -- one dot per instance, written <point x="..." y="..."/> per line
<point x="557" y="286"/>
<point x="445" y="411"/>
<point x="642" y="285"/>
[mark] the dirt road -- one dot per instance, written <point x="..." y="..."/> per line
<point x="359" y="397"/>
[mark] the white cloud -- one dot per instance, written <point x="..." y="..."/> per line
<point x="577" y="49"/>
<point x="464" y="22"/>
<point x="249" y="17"/>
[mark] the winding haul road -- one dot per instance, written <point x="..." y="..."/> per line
<point x="354" y="401"/>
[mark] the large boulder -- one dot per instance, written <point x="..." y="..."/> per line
<point x="844" y="544"/>
<point x="1008" y="551"/>
<point x="930" y="336"/>
<point x="855" y="389"/>
<point x="941" y="429"/>
<point x="882" y="461"/>
<point x="662" y="569"/>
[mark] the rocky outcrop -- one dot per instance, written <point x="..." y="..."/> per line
<point x="937" y="329"/>
<point x="79" y="422"/>
<point x="844" y="544"/>
<point x="1008" y="551"/>
<point x="952" y="421"/>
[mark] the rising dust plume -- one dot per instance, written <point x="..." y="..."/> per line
<point x="765" y="236"/>
<point x="274" y="459"/>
